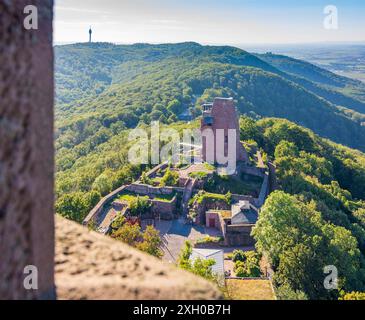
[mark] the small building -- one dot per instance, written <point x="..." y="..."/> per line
<point x="238" y="228"/>
<point x="215" y="219"/>
<point x="207" y="254"/>
<point x="244" y="212"/>
<point x="235" y="225"/>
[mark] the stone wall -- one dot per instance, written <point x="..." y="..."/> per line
<point x="26" y="150"/>
<point x="265" y="186"/>
<point x="239" y="235"/>
<point x="207" y="205"/>
<point x="255" y="171"/>
<point x="273" y="185"/>
<point x="165" y="210"/>
<point x="168" y="209"/>
<point x="153" y="171"/>
<point x="145" y="189"/>
<point x="98" y="209"/>
<point x="212" y="215"/>
<point x="264" y="191"/>
<point x="241" y="197"/>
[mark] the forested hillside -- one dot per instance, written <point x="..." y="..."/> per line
<point x="105" y="86"/>
<point x="342" y="91"/>
<point x="84" y="69"/>
<point x="104" y="89"/>
<point x="318" y="217"/>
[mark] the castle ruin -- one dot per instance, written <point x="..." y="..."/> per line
<point x="221" y="115"/>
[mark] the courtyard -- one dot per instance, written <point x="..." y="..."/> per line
<point x="174" y="234"/>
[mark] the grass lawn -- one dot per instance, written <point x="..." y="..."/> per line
<point x="249" y="290"/>
<point x="209" y="167"/>
<point x="246" y="184"/>
<point x="207" y="195"/>
<point x="164" y="197"/>
<point x="129" y="196"/>
<point x="200" y="175"/>
<point x="209" y="239"/>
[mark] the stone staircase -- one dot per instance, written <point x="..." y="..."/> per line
<point x="187" y="195"/>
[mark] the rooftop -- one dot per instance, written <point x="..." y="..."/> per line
<point x="223" y="99"/>
<point x="207" y="252"/>
<point x="245" y="212"/>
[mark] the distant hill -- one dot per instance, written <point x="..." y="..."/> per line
<point x="337" y="89"/>
<point x="102" y="85"/>
<point x="83" y="69"/>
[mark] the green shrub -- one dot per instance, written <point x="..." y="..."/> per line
<point x="145" y="179"/>
<point x="203" y="195"/>
<point x="352" y="296"/>
<point x="209" y="239"/>
<point x="139" y="205"/>
<point x="209" y="166"/>
<point x="171" y="178"/>
<point x="118" y="222"/>
<point x="247" y="264"/>
<point x="238" y="255"/>
<point x="200" y="175"/>
<point x="199" y="267"/>
<point x="285" y="292"/>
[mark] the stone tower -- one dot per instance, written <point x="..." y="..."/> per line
<point x="90" y="33"/>
<point x="221" y="114"/>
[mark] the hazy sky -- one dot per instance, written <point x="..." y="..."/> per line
<point x="207" y="21"/>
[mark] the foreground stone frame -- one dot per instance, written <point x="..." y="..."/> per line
<point x="26" y="150"/>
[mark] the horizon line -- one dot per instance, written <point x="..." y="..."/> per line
<point x="362" y="42"/>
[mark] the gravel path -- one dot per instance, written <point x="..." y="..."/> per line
<point x="176" y="236"/>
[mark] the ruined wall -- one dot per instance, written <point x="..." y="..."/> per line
<point x="98" y="209"/>
<point x="212" y="215"/>
<point x="273" y="184"/>
<point x="241" y="197"/>
<point x="255" y="171"/>
<point x="264" y="191"/>
<point x="26" y="150"/>
<point x="145" y="189"/>
<point x="166" y="210"/>
<point x="239" y="235"/>
<point x="141" y="189"/>
<point x="153" y="171"/>
<point x="206" y="205"/>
